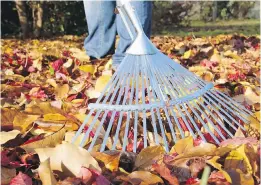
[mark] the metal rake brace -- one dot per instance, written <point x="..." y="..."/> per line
<point x="150" y="93"/>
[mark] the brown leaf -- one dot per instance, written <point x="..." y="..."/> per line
<point x="61" y="91"/>
<point x="148" y="155"/>
<point x="145" y="177"/>
<point x="7" y="175"/>
<point x="23" y="121"/>
<point x="111" y="162"/>
<point x="165" y="173"/>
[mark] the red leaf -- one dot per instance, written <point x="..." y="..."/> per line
<point x="57" y="64"/>
<point x="21" y="179"/>
<point x="192" y="181"/>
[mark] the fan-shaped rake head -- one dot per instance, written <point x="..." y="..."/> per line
<point x="152" y="100"/>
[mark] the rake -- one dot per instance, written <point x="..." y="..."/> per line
<point x="154" y="100"/>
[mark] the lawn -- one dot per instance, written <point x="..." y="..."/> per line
<point x="200" y="28"/>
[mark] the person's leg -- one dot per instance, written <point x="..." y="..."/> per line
<point x="100" y="18"/>
<point x="144" y="12"/>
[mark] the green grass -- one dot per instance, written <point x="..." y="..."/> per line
<point x="200" y="28"/>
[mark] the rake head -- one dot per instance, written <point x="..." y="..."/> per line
<point x="152" y="100"/>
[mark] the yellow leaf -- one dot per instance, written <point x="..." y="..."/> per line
<point x="182" y="145"/>
<point x="6" y="136"/>
<point x="46" y="174"/>
<point x="87" y="68"/>
<point x="204" y="149"/>
<point x="49" y="141"/>
<point x="229" y="53"/>
<point x="144" y="177"/>
<point x="61" y="91"/>
<point x="254" y="121"/>
<point x="146" y="157"/>
<point x="68" y="158"/>
<point x="237" y="159"/>
<point x="54" y="117"/>
<point x="23" y="121"/>
<point x="111" y="161"/>
<point x="187" y="54"/>
<point x="213" y="162"/>
<point x="102" y="82"/>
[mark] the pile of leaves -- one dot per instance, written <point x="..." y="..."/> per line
<point x="46" y="86"/>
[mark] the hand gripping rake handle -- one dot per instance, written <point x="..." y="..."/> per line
<point x="141" y="44"/>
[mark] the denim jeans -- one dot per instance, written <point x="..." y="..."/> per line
<point x="104" y="24"/>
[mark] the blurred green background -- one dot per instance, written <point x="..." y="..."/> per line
<point x="34" y="19"/>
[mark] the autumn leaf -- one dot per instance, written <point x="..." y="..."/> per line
<point x="213" y="162"/>
<point x="7" y="175"/>
<point x="145" y="177"/>
<point x="165" y="173"/>
<point x="63" y="158"/>
<point x="21" y="179"/>
<point x="111" y="162"/>
<point x="23" y="121"/>
<point x="102" y="82"/>
<point x="46" y="174"/>
<point x="49" y="141"/>
<point x="61" y="91"/>
<point x="148" y="155"/>
<point x="182" y="145"/>
<point x="6" y="136"/>
<point x="87" y="68"/>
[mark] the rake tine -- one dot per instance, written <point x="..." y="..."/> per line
<point x="114" y="112"/>
<point x="128" y="116"/>
<point x="199" y="117"/>
<point x="136" y="112"/>
<point x="99" y="112"/>
<point x="180" y="111"/>
<point x="212" y="124"/>
<point x="143" y="102"/>
<point x="192" y="121"/>
<point x="209" y="95"/>
<point x="150" y="100"/>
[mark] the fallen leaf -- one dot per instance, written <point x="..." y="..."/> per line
<point x="21" y="179"/>
<point x="111" y="162"/>
<point x="182" y="145"/>
<point x="145" y="177"/>
<point x="23" y="121"/>
<point x="213" y="162"/>
<point x="6" y="136"/>
<point x="46" y="174"/>
<point x="102" y="82"/>
<point x="165" y="173"/>
<point x="68" y="158"/>
<point x="7" y="118"/>
<point x="148" y="155"/>
<point x="239" y="178"/>
<point x="49" y="141"/>
<point x="7" y="175"/>
<point x="87" y="68"/>
<point x="61" y="91"/>
<point x="187" y="54"/>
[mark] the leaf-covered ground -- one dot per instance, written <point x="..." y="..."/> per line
<point x="46" y="86"/>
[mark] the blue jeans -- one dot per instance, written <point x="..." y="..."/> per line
<point x="104" y="24"/>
